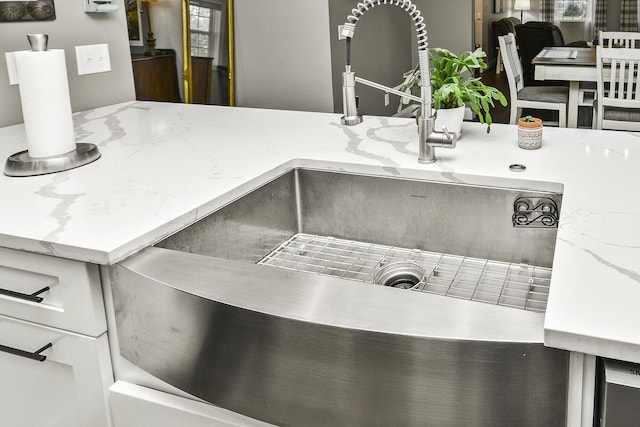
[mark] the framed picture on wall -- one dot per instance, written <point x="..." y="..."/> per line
<point x="498" y="6"/>
<point x="134" y="22"/>
<point x="17" y="11"/>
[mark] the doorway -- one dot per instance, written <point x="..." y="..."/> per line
<point x="477" y="24"/>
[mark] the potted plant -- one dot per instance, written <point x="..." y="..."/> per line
<point x="529" y="132"/>
<point x="454" y="85"/>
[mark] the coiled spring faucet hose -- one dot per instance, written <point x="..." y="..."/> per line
<point x="348" y="30"/>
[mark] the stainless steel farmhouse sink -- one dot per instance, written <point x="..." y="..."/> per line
<point x="326" y="298"/>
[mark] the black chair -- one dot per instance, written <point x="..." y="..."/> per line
<point x="532" y="37"/>
<point x="502" y="27"/>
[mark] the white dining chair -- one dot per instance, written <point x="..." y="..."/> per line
<point x="538" y="97"/>
<point x="617" y="104"/>
<point x="619" y="39"/>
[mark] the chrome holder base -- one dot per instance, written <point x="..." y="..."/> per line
<point x="21" y="164"/>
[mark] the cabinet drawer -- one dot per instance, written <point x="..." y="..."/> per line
<point x="69" y="294"/>
<point x="67" y="389"/>
<point x="136" y="406"/>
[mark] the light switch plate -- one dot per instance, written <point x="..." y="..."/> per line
<point x="99" y="6"/>
<point x="93" y="58"/>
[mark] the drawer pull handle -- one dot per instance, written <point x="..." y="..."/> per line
<point x="29" y="297"/>
<point x="33" y="356"/>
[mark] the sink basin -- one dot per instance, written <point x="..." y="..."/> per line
<point x="349" y="226"/>
<point x="270" y="305"/>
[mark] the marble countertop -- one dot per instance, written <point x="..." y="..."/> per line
<point x="164" y="166"/>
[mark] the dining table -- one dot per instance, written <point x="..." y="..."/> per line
<point x="571" y="64"/>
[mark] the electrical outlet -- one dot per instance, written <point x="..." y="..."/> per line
<point x="93" y="58"/>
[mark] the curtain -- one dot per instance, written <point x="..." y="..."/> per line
<point x="546" y="10"/>
<point x="600" y="23"/>
<point x="629" y="15"/>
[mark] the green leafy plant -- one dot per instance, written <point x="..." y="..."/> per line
<point x="454" y="84"/>
<point x="528" y="119"/>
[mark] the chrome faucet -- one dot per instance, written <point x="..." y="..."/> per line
<point x="428" y="137"/>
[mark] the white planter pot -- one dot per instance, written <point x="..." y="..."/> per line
<point x="529" y="138"/>
<point x="451" y="118"/>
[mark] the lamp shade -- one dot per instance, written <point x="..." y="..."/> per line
<point x="522" y="5"/>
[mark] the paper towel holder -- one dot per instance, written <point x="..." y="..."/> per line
<point x="21" y="164"/>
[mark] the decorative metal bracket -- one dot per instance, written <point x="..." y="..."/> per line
<point x="535" y="213"/>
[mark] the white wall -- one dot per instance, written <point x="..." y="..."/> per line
<point x="283" y="55"/>
<point x="166" y="23"/>
<point x="72" y="27"/>
<point x="449" y="23"/>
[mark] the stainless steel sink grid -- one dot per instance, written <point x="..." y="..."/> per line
<point x="513" y="285"/>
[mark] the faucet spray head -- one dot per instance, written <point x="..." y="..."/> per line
<point x="349" y="99"/>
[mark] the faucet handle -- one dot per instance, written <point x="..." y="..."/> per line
<point x="446" y="132"/>
<point x="444" y="139"/>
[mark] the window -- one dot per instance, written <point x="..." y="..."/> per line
<point x="206" y="22"/>
<point x="573" y="10"/>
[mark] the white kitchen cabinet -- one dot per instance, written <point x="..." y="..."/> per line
<point x="55" y="304"/>
<point x="72" y="299"/>
<point x="67" y="389"/>
<point x="137" y="406"/>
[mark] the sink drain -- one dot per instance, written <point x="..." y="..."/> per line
<point x="401" y="275"/>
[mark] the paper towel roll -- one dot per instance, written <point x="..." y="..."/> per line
<point x="46" y="106"/>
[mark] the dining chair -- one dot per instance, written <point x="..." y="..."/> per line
<point x="538" y="97"/>
<point x="616" y="39"/>
<point x="617" y="105"/>
<point x="619" y="39"/>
